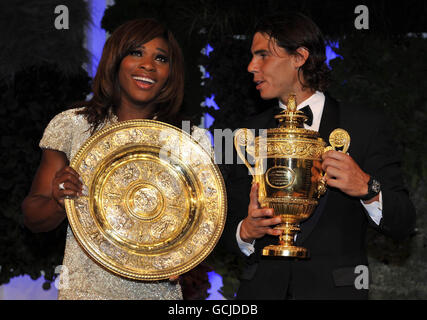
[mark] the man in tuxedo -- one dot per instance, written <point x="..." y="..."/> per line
<point x="365" y="186"/>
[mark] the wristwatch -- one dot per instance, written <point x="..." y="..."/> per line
<point x="374" y="187"/>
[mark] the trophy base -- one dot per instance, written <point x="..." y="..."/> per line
<point x="285" y="251"/>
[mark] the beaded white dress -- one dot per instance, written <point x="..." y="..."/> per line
<point x="81" y="278"/>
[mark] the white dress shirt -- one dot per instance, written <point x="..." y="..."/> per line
<point x="316" y="103"/>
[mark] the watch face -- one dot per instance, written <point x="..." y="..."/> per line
<point x="376" y="187"/>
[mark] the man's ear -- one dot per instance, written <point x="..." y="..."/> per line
<point x="301" y="56"/>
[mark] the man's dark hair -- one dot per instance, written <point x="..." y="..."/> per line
<point x="292" y="30"/>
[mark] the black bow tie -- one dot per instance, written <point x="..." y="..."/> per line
<point x="307" y="111"/>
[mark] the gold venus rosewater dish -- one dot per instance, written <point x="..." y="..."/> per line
<point x="156" y="202"/>
<point x="289" y="173"/>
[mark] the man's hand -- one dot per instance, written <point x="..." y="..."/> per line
<point x="343" y="173"/>
<point x="259" y="221"/>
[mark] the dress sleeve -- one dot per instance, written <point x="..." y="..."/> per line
<point x="58" y="134"/>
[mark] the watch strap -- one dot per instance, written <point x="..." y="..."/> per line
<point x="374" y="188"/>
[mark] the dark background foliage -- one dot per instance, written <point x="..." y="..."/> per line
<point x="41" y="74"/>
<point x="389" y="77"/>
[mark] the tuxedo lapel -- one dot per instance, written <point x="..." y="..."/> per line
<point x="308" y="225"/>
<point x="329" y="122"/>
<point x="264" y="120"/>
<point x="330" y="118"/>
<point x="270" y="121"/>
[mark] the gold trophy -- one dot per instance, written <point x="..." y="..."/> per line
<point x="288" y="171"/>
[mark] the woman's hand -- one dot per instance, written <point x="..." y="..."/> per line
<point x="66" y="184"/>
<point x="43" y="207"/>
<point x="174" y="278"/>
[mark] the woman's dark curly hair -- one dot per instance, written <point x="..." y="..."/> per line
<point x="293" y="30"/>
<point x="106" y="88"/>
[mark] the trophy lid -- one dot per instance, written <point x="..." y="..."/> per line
<point x="291" y="117"/>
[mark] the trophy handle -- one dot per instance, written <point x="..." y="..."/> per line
<point x="339" y="140"/>
<point x="321" y="186"/>
<point x="245" y="138"/>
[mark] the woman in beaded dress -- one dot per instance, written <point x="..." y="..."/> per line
<point x="140" y="76"/>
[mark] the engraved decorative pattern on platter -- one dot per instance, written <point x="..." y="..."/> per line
<point x="156" y="203"/>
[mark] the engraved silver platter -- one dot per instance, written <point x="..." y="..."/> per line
<point x="156" y="201"/>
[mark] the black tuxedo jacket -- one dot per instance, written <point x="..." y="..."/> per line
<point x="335" y="233"/>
